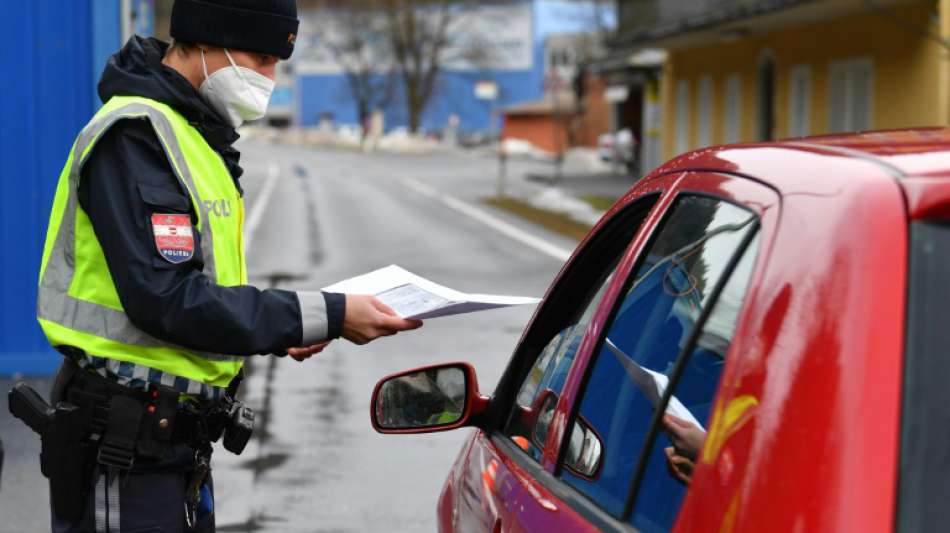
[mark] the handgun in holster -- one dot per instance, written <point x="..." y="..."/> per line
<point x="61" y="457"/>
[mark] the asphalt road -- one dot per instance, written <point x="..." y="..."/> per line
<point x="320" y="466"/>
<point x="317" y="217"/>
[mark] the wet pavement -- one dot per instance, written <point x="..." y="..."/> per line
<point x="318" y="465"/>
<point x="317" y="217"/>
<point x="24" y="501"/>
<point x="603" y="185"/>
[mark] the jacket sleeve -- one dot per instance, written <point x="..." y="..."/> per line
<point x="125" y="180"/>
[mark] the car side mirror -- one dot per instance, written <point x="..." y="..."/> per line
<point x="585" y="450"/>
<point x="428" y="399"/>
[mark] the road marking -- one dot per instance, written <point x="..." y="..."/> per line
<point x="256" y="213"/>
<point x="489" y="220"/>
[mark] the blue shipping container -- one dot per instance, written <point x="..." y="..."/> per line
<point x="51" y="53"/>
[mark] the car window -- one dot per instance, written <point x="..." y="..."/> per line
<point x="924" y="467"/>
<point x="537" y="398"/>
<point x="674" y="450"/>
<point x="547" y="352"/>
<point x="650" y="327"/>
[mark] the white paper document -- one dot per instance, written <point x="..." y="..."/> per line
<point x="412" y="296"/>
<point x="652" y="384"/>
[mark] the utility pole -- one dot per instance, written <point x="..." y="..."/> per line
<point x="552" y="89"/>
<point x="487" y="90"/>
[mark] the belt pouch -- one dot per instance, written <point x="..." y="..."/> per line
<point x="158" y="422"/>
<point x="117" y="448"/>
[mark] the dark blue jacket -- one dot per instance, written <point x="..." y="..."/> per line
<point x="176" y="302"/>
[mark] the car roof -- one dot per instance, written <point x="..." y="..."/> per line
<point x="914" y="152"/>
<point x="919" y="159"/>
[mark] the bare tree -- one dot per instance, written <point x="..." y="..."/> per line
<point x="419" y="36"/>
<point x="383" y="43"/>
<point x="356" y="35"/>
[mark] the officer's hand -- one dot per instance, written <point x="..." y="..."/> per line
<point x="367" y="319"/>
<point x="304" y="353"/>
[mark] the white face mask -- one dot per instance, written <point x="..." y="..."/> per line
<point x="238" y="94"/>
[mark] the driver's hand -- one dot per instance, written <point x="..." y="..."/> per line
<point x="680" y="466"/>
<point x="367" y="319"/>
<point x="686" y="437"/>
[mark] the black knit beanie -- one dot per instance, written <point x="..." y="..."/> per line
<point x="263" y="26"/>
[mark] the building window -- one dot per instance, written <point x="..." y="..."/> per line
<point x="765" y="126"/>
<point x="732" y="115"/>
<point x="682" y="116"/>
<point x="705" y="111"/>
<point x="560" y="58"/>
<point x="850" y="92"/>
<point x="799" y="101"/>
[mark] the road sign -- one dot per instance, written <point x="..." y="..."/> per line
<point x="486" y="90"/>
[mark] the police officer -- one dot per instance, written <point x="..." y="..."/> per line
<point x="143" y="285"/>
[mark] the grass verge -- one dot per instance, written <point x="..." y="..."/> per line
<point x="600" y="203"/>
<point x="552" y="220"/>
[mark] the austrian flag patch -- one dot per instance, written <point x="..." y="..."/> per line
<point x="173" y="237"/>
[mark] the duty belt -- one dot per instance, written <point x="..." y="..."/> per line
<point x="126" y="422"/>
<point x="97" y="422"/>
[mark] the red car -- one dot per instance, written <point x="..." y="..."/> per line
<point x="750" y="340"/>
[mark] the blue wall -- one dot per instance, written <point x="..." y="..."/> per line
<point x="318" y="94"/>
<point x="47" y="57"/>
<point x="454" y="93"/>
<point x="106" y="36"/>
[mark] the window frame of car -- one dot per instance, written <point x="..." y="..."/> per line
<point x="682" y="357"/>
<point x="557" y="310"/>
<point x="740" y="190"/>
<point x="649" y="202"/>
<point x="555" y="359"/>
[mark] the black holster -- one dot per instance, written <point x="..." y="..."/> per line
<point x="64" y="455"/>
<point x="65" y="460"/>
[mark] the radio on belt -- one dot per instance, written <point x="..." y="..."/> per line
<point x="240" y="429"/>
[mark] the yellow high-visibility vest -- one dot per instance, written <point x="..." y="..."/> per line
<point x="78" y="304"/>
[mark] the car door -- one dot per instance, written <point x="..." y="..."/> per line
<point x="487" y="486"/>
<point x="664" y="349"/>
<point x="557" y="459"/>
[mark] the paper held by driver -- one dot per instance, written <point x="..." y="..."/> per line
<point x="652" y="384"/>
<point x="412" y="296"/>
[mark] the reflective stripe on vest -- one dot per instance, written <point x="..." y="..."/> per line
<point x="86" y="323"/>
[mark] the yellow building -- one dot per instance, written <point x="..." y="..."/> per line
<point x="746" y="70"/>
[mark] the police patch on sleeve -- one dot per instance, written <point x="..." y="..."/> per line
<point x="173" y="237"/>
